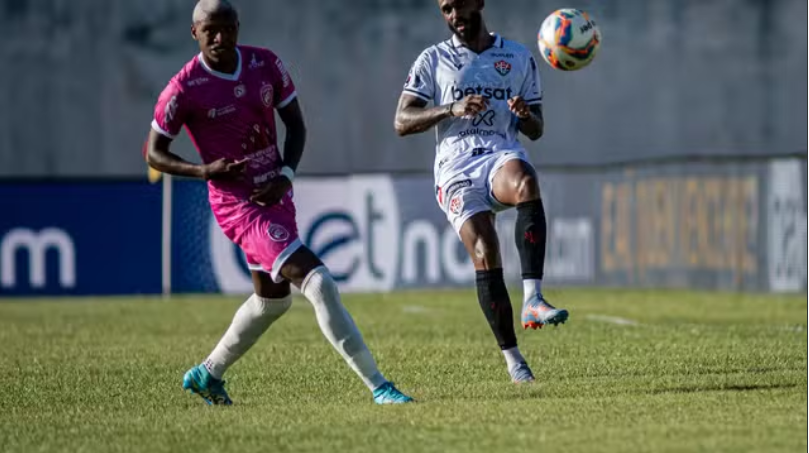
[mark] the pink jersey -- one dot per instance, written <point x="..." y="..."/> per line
<point x="230" y="116"/>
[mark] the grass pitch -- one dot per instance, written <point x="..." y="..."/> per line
<point x="630" y="371"/>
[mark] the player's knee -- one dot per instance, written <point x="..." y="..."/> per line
<point x="300" y="266"/>
<point x="319" y="287"/>
<point x="527" y="188"/>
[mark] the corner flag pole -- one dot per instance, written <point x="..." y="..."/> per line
<point x="165" y="228"/>
<point x="165" y="254"/>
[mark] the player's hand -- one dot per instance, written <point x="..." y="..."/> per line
<point x="272" y="192"/>
<point x="518" y="107"/>
<point x="470" y="106"/>
<point x="225" y="168"/>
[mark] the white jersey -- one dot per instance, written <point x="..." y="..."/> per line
<point x="448" y="72"/>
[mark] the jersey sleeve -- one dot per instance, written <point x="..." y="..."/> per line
<point x="420" y="81"/>
<point x="283" y="86"/>
<point x="531" y="90"/>
<point x="171" y="111"/>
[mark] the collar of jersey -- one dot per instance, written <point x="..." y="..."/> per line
<point x="223" y="75"/>
<point x="498" y="41"/>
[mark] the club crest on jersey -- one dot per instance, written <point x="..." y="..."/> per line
<point x="239" y="91"/>
<point x="266" y="95"/>
<point x="456" y="204"/>
<point x="503" y="67"/>
<point x="277" y="233"/>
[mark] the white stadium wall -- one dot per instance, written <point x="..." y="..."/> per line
<point x="673" y="78"/>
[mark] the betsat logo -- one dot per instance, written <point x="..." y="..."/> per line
<point x="358" y="232"/>
<point x="496" y="93"/>
<point x="36" y="245"/>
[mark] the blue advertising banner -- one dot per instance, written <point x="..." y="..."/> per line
<point x="738" y="226"/>
<point x="375" y="233"/>
<point x="725" y="227"/>
<point x="196" y="260"/>
<point x="71" y="238"/>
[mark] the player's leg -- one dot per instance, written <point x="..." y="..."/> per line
<point x="305" y="270"/>
<point x="515" y="184"/>
<point x="480" y="239"/>
<point x="269" y="302"/>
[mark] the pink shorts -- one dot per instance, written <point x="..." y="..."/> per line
<point x="270" y="238"/>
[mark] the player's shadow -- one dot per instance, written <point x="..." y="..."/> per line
<point x="619" y="372"/>
<point x="718" y="388"/>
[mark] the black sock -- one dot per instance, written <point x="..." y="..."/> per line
<point x="496" y="306"/>
<point x="531" y="234"/>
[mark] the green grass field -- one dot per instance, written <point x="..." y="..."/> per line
<point x="630" y="371"/>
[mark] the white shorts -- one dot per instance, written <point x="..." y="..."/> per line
<point x="466" y="188"/>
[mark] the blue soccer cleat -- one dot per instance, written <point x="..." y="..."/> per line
<point x="537" y="312"/>
<point x="521" y="374"/>
<point x="198" y="380"/>
<point x="388" y="394"/>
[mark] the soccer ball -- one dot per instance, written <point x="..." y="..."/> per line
<point x="569" y="39"/>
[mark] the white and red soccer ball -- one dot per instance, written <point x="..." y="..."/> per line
<point x="569" y="39"/>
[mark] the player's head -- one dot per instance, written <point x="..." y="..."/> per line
<point x="463" y="17"/>
<point x="216" y="27"/>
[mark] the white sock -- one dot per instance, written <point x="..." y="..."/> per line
<point x="338" y="327"/>
<point x="531" y="287"/>
<point x="513" y="357"/>
<point x="252" y="319"/>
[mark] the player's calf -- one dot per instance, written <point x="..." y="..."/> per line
<point x="336" y="323"/>
<point x="531" y="236"/>
<point x="252" y="319"/>
<point x="496" y="305"/>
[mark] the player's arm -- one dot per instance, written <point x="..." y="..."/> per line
<point x="530" y="121"/>
<point x="160" y="157"/>
<point x="413" y="116"/>
<point x="527" y="106"/>
<point x="292" y="117"/>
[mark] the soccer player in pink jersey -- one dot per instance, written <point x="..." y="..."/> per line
<point x="226" y="97"/>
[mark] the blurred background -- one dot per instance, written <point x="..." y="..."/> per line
<point x="676" y="159"/>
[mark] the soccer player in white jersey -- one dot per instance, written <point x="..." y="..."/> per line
<point x="226" y="97"/>
<point x="485" y="90"/>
